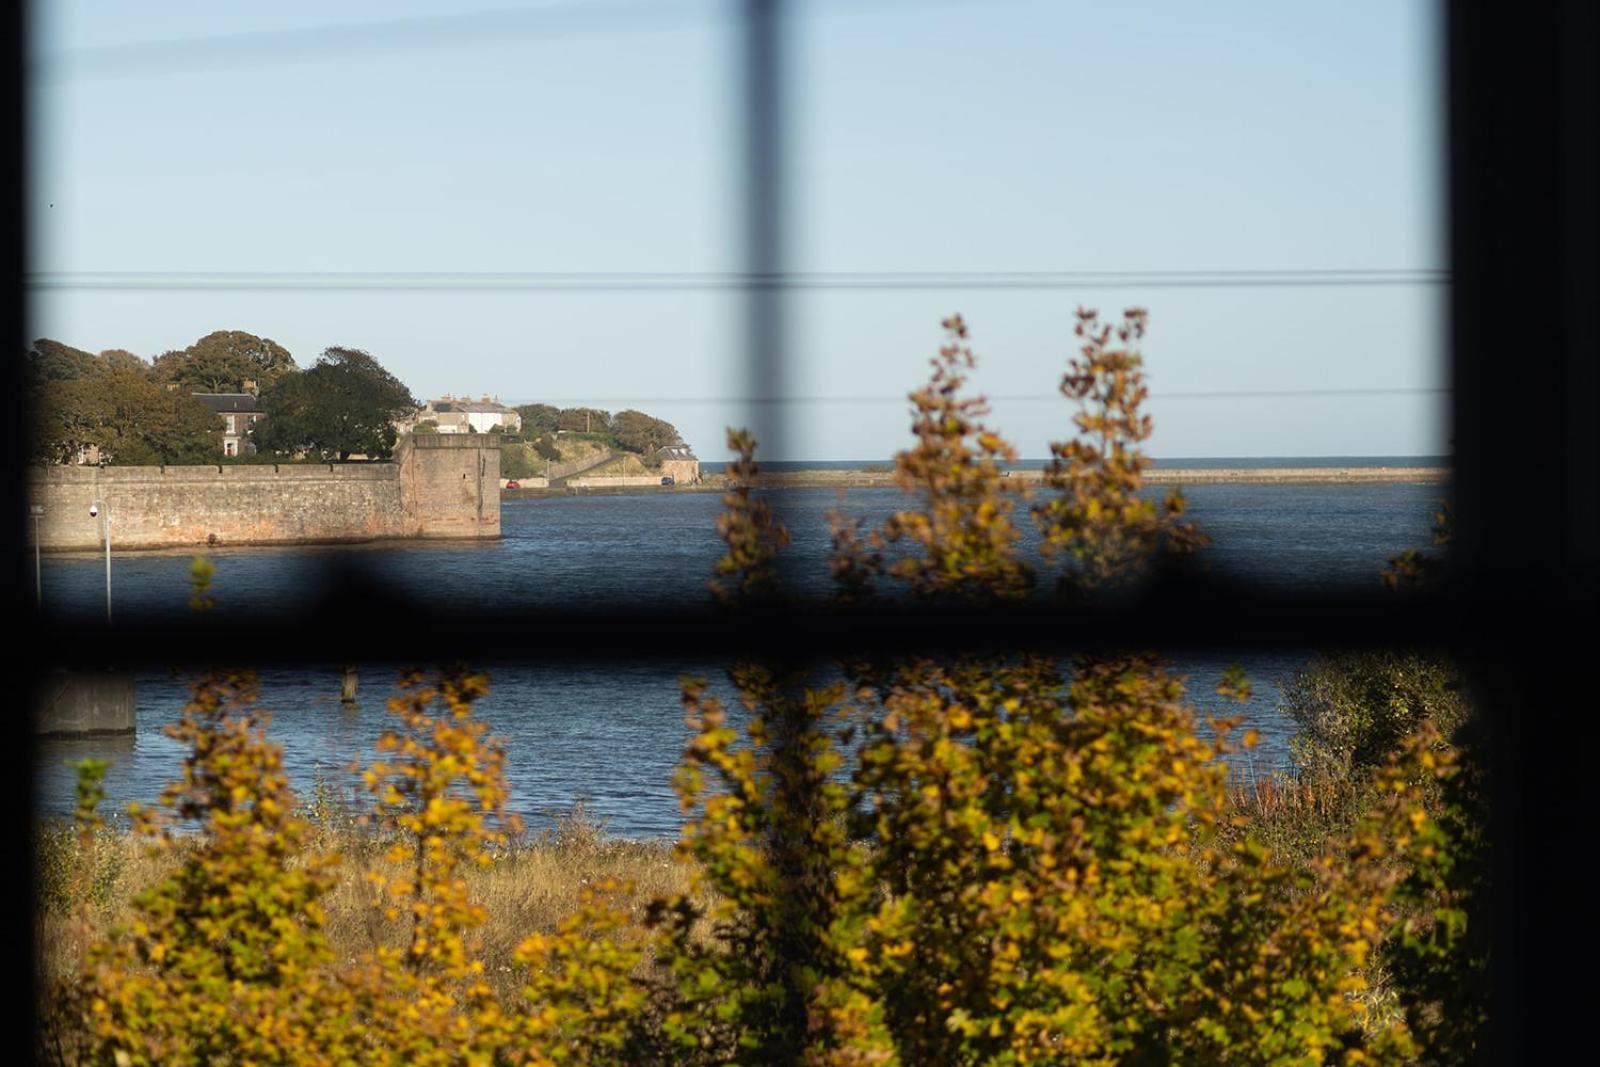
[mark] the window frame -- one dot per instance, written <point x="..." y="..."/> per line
<point x="1521" y="170"/>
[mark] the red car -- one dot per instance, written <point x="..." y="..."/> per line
<point x="513" y="484"/>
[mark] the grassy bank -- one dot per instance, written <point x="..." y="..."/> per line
<point x="530" y="888"/>
<point x="538" y="881"/>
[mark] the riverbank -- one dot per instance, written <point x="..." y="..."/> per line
<point x="532" y="885"/>
<point x="882" y="478"/>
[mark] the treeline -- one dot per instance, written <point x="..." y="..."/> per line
<point x="137" y="412"/>
<point x="626" y="431"/>
<point x="629" y="431"/>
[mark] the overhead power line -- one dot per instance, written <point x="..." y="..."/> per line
<point x="350" y="40"/>
<point x="1021" y="398"/>
<point x="711" y="281"/>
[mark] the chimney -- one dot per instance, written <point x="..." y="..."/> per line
<point x="250" y="386"/>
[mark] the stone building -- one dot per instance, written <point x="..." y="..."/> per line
<point x="452" y="414"/>
<point x="240" y="412"/>
<point x="680" y="464"/>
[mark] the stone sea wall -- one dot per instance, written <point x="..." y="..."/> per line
<point x="439" y="486"/>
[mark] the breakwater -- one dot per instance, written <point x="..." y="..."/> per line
<point x="437" y="486"/>
<point x="884" y="479"/>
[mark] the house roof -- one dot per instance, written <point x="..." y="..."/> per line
<point x="469" y="407"/>
<point x="229" y="402"/>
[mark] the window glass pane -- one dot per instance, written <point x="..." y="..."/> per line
<point x="1267" y="186"/>
<point x="519" y="207"/>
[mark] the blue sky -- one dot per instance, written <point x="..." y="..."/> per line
<point x="939" y="136"/>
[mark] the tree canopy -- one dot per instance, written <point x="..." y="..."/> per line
<point x="53" y="361"/>
<point x="130" y="418"/>
<point x="634" y="431"/>
<point x="539" y="418"/>
<point x="585" y="420"/>
<point x="345" y="405"/>
<point x="223" y="361"/>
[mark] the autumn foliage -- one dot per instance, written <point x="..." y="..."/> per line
<point x="1018" y="858"/>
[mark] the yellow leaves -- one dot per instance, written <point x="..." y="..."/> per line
<point x="1028" y="875"/>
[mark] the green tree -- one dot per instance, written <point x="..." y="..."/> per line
<point x="118" y="360"/>
<point x="1355" y="709"/>
<point x="345" y="405"/>
<point x="584" y="420"/>
<point x="53" y="361"/>
<point x="545" y="446"/>
<point x="539" y="418"/>
<point x="634" y="431"/>
<point x="130" y="418"/>
<point x="223" y="361"/>
<point x="520" y="461"/>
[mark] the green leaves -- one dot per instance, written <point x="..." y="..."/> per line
<point x="224" y="361"/>
<point x="343" y="406"/>
<point x="128" y="417"/>
<point x="91" y="792"/>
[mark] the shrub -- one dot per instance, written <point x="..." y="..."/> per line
<point x="546" y="447"/>
<point x="1026" y="863"/>
<point x="959" y="859"/>
<point x="517" y="461"/>
<point x="1355" y="709"/>
<point x="224" y="959"/>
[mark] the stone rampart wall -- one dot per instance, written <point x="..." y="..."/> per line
<point x="428" y="491"/>
<point x="620" y="481"/>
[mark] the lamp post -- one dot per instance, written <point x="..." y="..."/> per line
<point x="95" y="509"/>
<point x="37" y="512"/>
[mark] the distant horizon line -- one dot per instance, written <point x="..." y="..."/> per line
<point x="1325" y="457"/>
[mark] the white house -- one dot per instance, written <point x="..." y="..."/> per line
<point x="464" y="415"/>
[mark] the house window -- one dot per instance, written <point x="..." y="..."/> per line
<point x="229" y="448"/>
<point x="231" y="426"/>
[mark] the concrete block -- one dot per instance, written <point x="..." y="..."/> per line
<point x="85" y="703"/>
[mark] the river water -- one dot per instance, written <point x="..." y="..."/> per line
<point x="609" y="735"/>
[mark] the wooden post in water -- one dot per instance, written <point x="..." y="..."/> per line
<point x="348" y="684"/>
